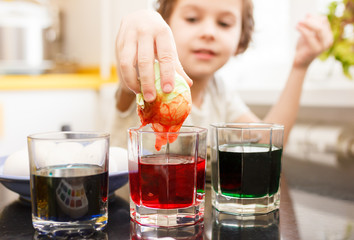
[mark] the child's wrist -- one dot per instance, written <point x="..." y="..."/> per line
<point x="122" y="89"/>
<point x="299" y="69"/>
<point x="300" y="66"/>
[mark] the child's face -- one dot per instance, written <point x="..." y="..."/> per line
<point x="207" y="33"/>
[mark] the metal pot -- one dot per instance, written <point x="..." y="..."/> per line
<point x="27" y="38"/>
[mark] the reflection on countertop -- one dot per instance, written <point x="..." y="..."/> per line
<point x="323" y="198"/>
<point x="322" y="217"/>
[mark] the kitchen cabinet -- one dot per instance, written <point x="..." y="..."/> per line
<point x="30" y="104"/>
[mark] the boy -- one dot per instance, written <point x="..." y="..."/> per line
<point x="201" y="36"/>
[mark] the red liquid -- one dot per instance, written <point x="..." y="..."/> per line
<point x="167" y="186"/>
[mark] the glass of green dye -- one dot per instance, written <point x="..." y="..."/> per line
<point x="246" y="167"/>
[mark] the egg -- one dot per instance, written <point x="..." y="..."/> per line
<point x="169" y="110"/>
<point x="17" y="164"/>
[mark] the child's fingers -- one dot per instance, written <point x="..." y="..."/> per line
<point x="327" y="33"/>
<point x="321" y="28"/>
<point x="314" y="29"/>
<point x="166" y="54"/>
<point x="313" y="22"/>
<point x="169" y="62"/>
<point x="126" y="59"/>
<point x="138" y="43"/>
<point x="311" y="38"/>
<point x="146" y="58"/>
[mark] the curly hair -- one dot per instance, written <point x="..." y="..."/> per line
<point x="165" y="8"/>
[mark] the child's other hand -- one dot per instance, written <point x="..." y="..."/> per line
<point x="143" y="37"/>
<point x="316" y="37"/>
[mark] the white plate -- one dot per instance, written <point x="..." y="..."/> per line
<point x="21" y="184"/>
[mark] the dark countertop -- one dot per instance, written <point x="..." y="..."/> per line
<point x="323" y="198"/>
<point x="307" y="211"/>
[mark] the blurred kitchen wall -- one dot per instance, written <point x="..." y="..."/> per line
<point x="270" y="53"/>
<point x="82" y="26"/>
<point x="26" y="111"/>
<point x="258" y="75"/>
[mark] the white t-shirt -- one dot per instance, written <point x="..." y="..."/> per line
<point x="220" y="104"/>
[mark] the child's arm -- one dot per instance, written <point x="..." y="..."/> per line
<point x="143" y="37"/>
<point x="316" y="36"/>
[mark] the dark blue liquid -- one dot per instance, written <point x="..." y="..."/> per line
<point x="80" y="197"/>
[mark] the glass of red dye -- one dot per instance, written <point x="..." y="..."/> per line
<point x="167" y="186"/>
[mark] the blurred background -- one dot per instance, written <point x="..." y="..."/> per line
<point x="57" y="72"/>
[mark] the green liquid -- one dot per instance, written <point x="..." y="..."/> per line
<point x="250" y="171"/>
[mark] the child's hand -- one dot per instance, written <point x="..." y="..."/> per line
<point x="316" y="37"/>
<point x="143" y="37"/>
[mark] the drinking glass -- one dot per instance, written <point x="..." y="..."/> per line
<point x="246" y="167"/>
<point x="167" y="187"/>
<point x="69" y="182"/>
